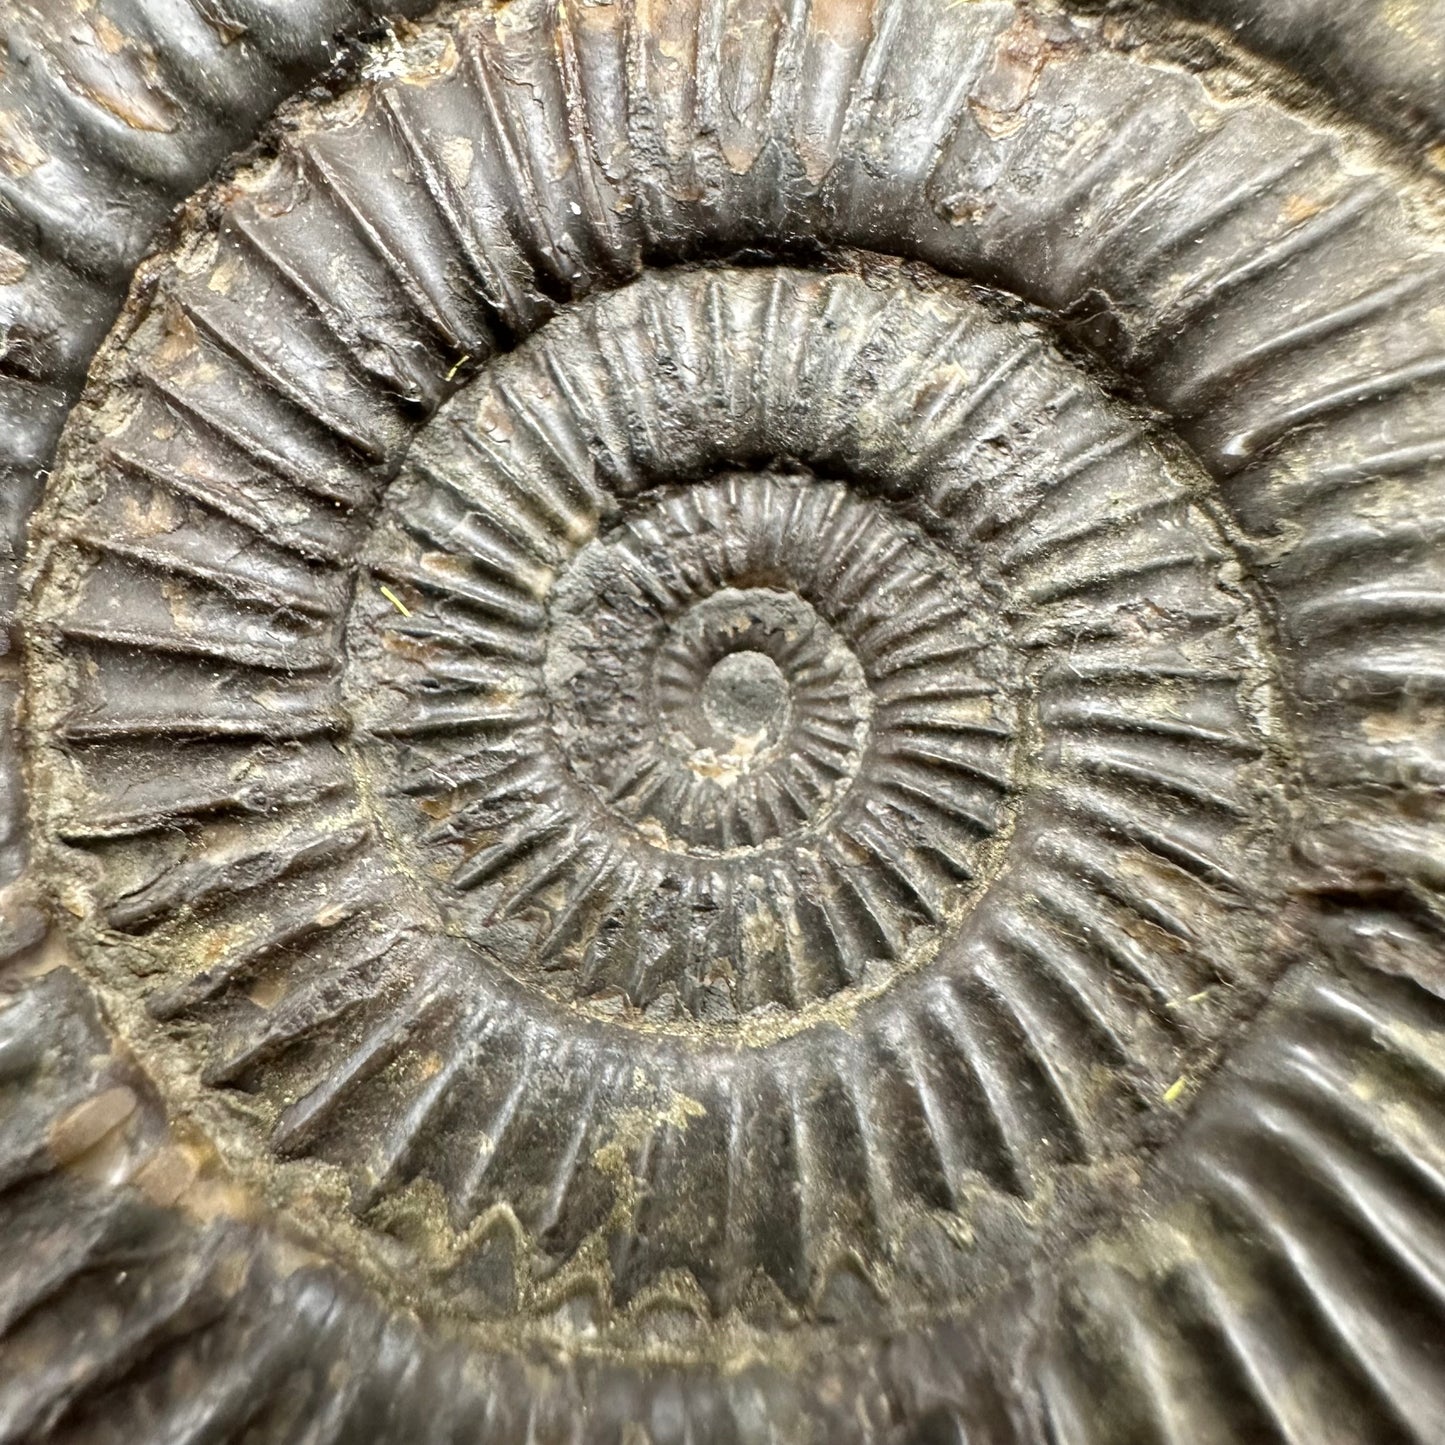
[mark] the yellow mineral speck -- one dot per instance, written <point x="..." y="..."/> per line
<point x="681" y="1108"/>
<point x="723" y="770"/>
<point x="1302" y="208"/>
<point x="89" y="1122"/>
<point x="395" y="601"/>
<point x="13" y="266"/>
<point x="266" y="992"/>
<point x="112" y="40"/>
<point x="224" y="276"/>
<point x="457" y="156"/>
<point x="1403" y="725"/>
<point x="20" y="153"/>
<point x="166" y="1175"/>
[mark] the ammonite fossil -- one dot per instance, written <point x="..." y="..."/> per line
<point x="728" y="722"/>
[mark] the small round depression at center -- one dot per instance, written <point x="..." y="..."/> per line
<point x="745" y="698"/>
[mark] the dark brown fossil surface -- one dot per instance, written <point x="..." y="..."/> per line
<point x="726" y="722"/>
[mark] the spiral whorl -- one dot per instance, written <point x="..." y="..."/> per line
<point x="710" y="685"/>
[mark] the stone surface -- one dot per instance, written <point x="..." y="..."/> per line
<point x="732" y="731"/>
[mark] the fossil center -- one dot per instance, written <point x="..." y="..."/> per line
<point x="745" y="699"/>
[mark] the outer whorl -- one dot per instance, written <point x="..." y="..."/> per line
<point x="732" y="730"/>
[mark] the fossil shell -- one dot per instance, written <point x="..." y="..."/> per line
<point x="732" y="732"/>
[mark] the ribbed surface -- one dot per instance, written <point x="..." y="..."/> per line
<point x="522" y="596"/>
<point x="139" y="1303"/>
<point x="1386" y="61"/>
<point x="416" y="527"/>
<point x="111" y="113"/>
